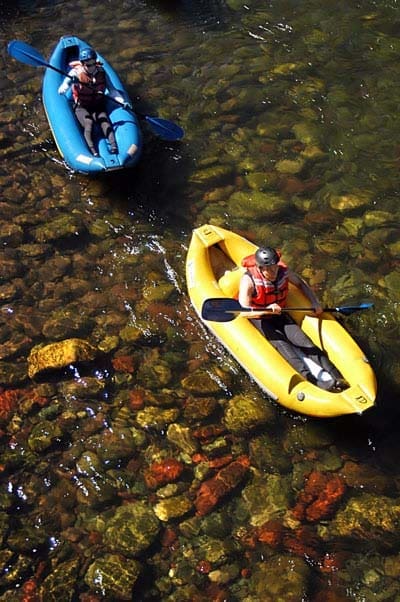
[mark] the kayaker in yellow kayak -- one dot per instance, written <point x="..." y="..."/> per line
<point x="265" y="284"/>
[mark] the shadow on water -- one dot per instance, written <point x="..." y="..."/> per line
<point x="200" y="13"/>
<point x="10" y="10"/>
<point x="154" y="190"/>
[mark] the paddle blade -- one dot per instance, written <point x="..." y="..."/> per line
<point x="164" y="128"/>
<point x="346" y="310"/>
<point x="26" y="54"/>
<point x="220" y="310"/>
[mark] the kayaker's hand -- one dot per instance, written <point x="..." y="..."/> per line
<point x="318" y="310"/>
<point x="274" y="308"/>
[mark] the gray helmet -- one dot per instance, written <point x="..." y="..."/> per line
<point x="266" y="256"/>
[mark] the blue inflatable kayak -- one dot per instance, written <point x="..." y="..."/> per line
<point x="66" y="130"/>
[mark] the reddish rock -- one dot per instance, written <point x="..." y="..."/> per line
<point x="320" y="497"/>
<point x="293" y="185"/>
<point x="204" y="567"/>
<point x="303" y="542"/>
<point x="219" y="462"/>
<point x="332" y="562"/>
<point x="12" y="400"/>
<point x="8" y="403"/>
<point x="30" y="590"/>
<point x="208" y="433"/>
<point x="161" y="473"/>
<point x="271" y="533"/>
<point x="216" y="488"/>
<point x="136" y="399"/>
<point x="169" y="539"/>
<point x="157" y="309"/>
<point x="123" y="363"/>
<point x="197" y="458"/>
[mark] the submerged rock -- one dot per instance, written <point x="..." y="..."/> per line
<point x="113" y="576"/>
<point x="132" y="529"/>
<point x="287" y="577"/>
<point x="244" y="414"/>
<point x="173" y="507"/>
<point x="43" y="435"/>
<point x="59" y="355"/>
<point x="212" y="491"/>
<point x="61" y="583"/>
<point x="200" y="383"/>
<point x="267" y="497"/>
<point x="368" y="518"/>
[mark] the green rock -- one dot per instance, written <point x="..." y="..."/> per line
<point x="43" y="435"/>
<point x="61" y="583"/>
<point x="182" y="438"/>
<point x="173" y="507"/>
<point x="158" y="293"/>
<point x="158" y="418"/>
<point x="290" y="166"/>
<point x="212" y="176"/>
<point x="268" y="455"/>
<point x="266" y="497"/>
<point x="255" y="205"/>
<point x="261" y="180"/>
<point x="200" y="383"/>
<point x="113" y="576"/>
<point x="132" y="529"/>
<point x="352" y="201"/>
<point x="288" y="578"/>
<point x="367" y="518"/>
<point x="243" y="414"/>
<point x="61" y="227"/>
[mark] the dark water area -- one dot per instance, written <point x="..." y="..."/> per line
<point x="155" y="469"/>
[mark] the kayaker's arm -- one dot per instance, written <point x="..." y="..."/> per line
<point x="68" y="81"/>
<point x="117" y="95"/>
<point x="307" y="290"/>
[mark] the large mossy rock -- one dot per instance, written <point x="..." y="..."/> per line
<point x="59" y="355"/>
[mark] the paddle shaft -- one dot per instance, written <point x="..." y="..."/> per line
<point x="225" y="310"/>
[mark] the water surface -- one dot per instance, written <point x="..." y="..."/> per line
<point x="291" y="118"/>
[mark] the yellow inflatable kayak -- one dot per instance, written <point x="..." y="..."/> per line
<point x="213" y="270"/>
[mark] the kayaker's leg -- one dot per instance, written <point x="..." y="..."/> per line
<point x="297" y="337"/>
<point x="108" y="131"/>
<point x="86" y="120"/>
<point x="272" y="329"/>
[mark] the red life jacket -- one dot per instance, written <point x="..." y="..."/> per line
<point x="86" y="92"/>
<point x="265" y="291"/>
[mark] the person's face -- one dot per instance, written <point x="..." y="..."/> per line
<point x="270" y="272"/>
<point x="90" y="66"/>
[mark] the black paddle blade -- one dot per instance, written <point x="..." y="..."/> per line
<point x="220" y="310"/>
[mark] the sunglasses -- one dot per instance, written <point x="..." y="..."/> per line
<point x="90" y="63"/>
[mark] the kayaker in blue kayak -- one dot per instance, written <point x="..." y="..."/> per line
<point x="89" y="82"/>
<point x="265" y="284"/>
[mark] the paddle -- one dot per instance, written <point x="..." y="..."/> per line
<point x="30" y="56"/>
<point x="226" y="310"/>
<point x="161" y="127"/>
